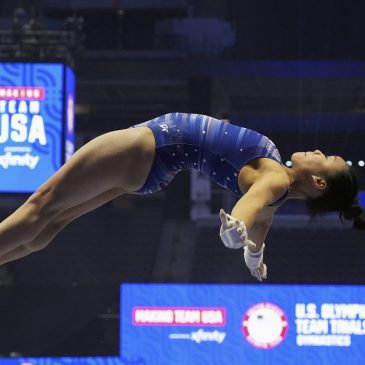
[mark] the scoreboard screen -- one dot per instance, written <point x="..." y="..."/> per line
<point x="36" y="123"/>
<point x="243" y="324"/>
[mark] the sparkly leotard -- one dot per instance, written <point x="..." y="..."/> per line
<point x="215" y="148"/>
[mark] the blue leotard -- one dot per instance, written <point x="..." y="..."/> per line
<point x="215" y="148"/>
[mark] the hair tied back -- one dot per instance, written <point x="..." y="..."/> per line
<point x="356" y="213"/>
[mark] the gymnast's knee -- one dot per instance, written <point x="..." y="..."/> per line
<point x="35" y="215"/>
<point x="43" y="204"/>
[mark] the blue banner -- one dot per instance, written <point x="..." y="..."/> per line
<point x="243" y="324"/>
<point x="32" y="97"/>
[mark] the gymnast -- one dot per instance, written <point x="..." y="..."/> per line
<point x="143" y="159"/>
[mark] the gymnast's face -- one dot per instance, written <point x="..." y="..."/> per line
<point x="308" y="165"/>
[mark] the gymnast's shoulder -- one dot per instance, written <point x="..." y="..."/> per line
<point x="264" y="173"/>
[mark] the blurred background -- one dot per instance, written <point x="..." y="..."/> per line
<point x="293" y="70"/>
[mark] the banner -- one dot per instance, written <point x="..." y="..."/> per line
<point x="243" y="324"/>
<point x="33" y="104"/>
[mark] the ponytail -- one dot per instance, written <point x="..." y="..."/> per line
<point x="355" y="213"/>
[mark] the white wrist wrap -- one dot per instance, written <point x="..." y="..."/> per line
<point x="254" y="261"/>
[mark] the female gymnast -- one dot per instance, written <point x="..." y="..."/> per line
<point x="145" y="158"/>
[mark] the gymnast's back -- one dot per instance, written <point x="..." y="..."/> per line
<point x="216" y="148"/>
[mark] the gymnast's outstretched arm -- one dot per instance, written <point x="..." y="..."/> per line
<point x="252" y="209"/>
<point x="250" y="221"/>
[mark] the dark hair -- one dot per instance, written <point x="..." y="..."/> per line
<point x="340" y="196"/>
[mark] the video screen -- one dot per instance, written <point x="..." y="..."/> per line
<point x="243" y="324"/>
<point x="36" y="104"/>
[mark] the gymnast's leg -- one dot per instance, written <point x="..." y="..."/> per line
<point x="116" y="161"/>
<point x="56" y="225"/>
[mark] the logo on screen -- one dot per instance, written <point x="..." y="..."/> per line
<point x="265" y="325"/>
<point x="178" y="316"/>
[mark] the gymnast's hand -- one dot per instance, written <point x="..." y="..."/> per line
<point x="254" y="261"/>
<point x="233" y="232"/>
